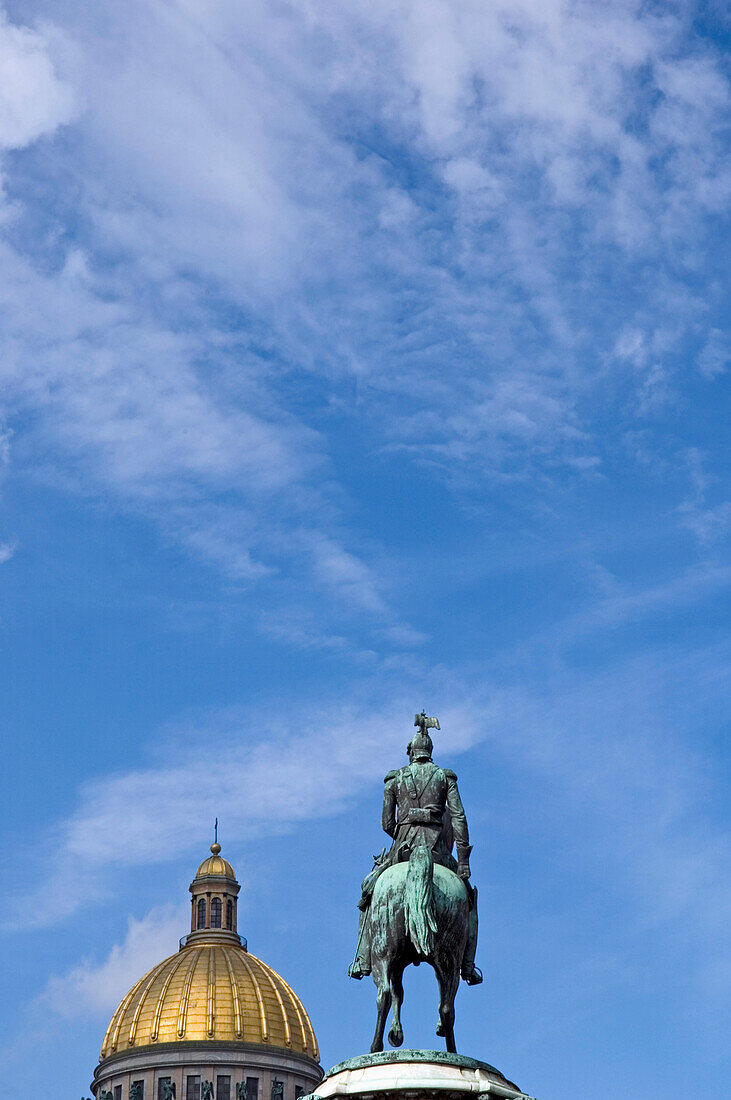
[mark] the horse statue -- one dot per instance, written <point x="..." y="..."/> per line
<point x="419" y="912"/>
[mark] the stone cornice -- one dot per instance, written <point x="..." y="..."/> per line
<point x="190" y="1053"/>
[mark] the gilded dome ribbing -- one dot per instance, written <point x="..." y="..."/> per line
<point x="211" y="991"/>
<point x="215" y="864"/>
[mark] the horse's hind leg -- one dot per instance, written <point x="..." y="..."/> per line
<point x="448" y="984"/>
<point x="383" y="1001"/>
<point x="396" y="1035"/>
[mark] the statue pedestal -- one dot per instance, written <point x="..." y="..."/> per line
<point x="416" y="1075"/>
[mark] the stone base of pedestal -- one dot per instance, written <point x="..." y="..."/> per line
<point x="416" y="1075"/>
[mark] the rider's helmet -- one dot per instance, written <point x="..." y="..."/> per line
<point x="420" y="746"/>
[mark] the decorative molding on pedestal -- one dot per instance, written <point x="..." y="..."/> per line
<point x="416" y="1075"/>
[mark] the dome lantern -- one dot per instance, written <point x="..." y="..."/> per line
<point x="214" y="900"/>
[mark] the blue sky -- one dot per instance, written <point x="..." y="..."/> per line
<point x="360" y="357"/>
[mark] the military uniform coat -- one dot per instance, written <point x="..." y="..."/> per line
<point x="421" y="805"/>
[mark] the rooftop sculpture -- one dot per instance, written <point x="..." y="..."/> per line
<point x="417" y="904"/>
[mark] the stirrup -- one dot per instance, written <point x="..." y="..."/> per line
<point x="473" y="976"/>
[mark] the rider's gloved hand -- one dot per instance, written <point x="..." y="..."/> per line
<point x="463" y="860"/>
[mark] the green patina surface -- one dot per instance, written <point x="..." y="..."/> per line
<point x="416" y="903"/>
<point x="387" y="1057"/>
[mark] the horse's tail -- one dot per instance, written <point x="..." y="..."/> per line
<point x="419" y="901"/>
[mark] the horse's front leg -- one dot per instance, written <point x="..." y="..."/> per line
<point x="396" y="1034"/>
<point x="383" y="1001"/>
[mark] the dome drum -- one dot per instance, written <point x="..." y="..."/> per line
<point x="222" y="1063"/>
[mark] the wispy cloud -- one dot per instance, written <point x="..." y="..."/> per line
<point x="298" y="767"/>
<point x="35" y="102"/>
<point x="97" y="987"/>
<point x="249" y="147"/>
<point x="618" y="604"/>
<point x="714" y="356"/>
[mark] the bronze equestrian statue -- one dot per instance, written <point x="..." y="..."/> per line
<point x="417" y="904"/>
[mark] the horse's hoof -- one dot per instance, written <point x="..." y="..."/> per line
<point x="440" y="1030"/>
<point x="376" y="1048"/>
<point x="395" y="1038"/>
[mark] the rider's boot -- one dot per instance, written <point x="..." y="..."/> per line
<point x="471" y="973"/>
<point x="361" y="964"/>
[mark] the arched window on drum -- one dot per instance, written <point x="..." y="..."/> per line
<point x="201" y="912"/>
<point x="229" y="914"/>
<point x="216" y="913"/>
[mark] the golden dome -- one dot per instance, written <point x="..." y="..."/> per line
<point x="211" y="991"/>
<point x="215" y="864"/>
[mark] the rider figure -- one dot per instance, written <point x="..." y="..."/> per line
<point x="421" y="805"/>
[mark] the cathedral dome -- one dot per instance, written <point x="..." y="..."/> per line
<point x="210" y="1010"/>
<point x="211" y="992"/>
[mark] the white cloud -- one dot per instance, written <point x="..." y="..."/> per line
<point x="33" y="101"/>
<point x="222" y="473"/>
<point x="297" y="768"/>
<point x="352" y="583"/>
<point x="714" y="356"/>
<point x="708" y="521"/>
<point x="240" y="246"/>
<point x="267" y="208"/>
<point x="98" y="987"/>
<point x="617" y="746"/>
<point x="618" y="604"/>
<point x="297" y="628"/>
<point x="124" y="392"/>
<point x="707" y="524"/>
